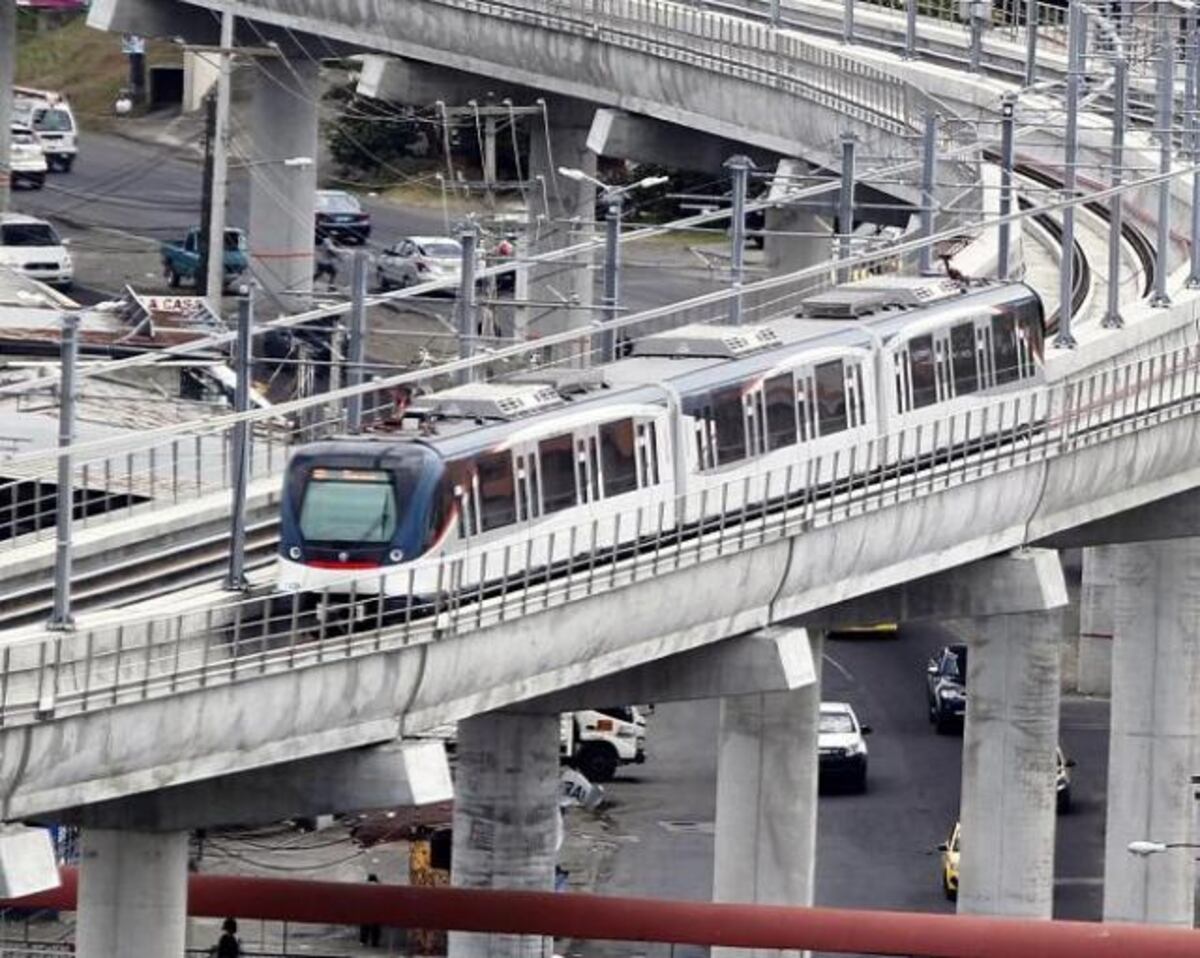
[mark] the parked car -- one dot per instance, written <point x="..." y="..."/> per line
<point x="33" y="248"/>
<point x="949" y="863"/>
<point x="340" y="216"/>
<point x="421" y="259"/>
<point x="181" y="259"/>
<point x="841" y="746"/>
<point x="27" y="159"/>
<point x="946" y="687"/>
<point x="49" y="115"/>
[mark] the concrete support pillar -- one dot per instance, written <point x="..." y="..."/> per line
<point x="1152" y="743"/>
<point x="562" y="212"/>
<point x="1008" y="773"/>
<point x="283" y="126"/>
<point x="132" y="894"/>
<point x="766" y="827"/>
<point x="505" y="818"/>
<point x="788" y="253"/>
<point x="1096" y="596"/>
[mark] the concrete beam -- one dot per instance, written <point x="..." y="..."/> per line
<point x="1175" y="517"/>
<point x="155" y="18"/>
<point x="402" y="773"/>
<point x="1024" y="580"/>
<point x="423" y="84"/>
<point x="643" y="139"/>
<point x="775" y="659"/>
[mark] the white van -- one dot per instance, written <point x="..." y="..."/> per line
<point x="49" y="115"/>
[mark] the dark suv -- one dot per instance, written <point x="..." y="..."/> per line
<point x="946" y="687"/>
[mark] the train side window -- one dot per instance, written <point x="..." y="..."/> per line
<point x="497" y="494"/>
<point x="962" y="354"/>
<point x="618" y="457"/>
<point x="831" y="397"/>
<point x="1004" y="348"/>
<point x="731" y="425"/>
<point x="924" y="375"/>
<point x="558" y="474"/>
<point x="524" y="507"/>
<point x="594" y="467"/>
<point x="781" y="411"/>
<point x="900" y="358"/>
<point x="806" y="407"/>
<point x="983" y="353"/>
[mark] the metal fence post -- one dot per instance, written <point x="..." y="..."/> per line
<point x="928" y="171"/>
<point x="356" y="345"/>
<point x="910" y="29"/>
<point x="1007" y="108"/>
<point x="612" y="277"/>
<point x="848" y="21"/>
<point x="1031" y="27"/>
<point x="61" y="617"/>
<point x="1064" y="339"/>
<point x="466" y="303"/>
<point x="239" y="459"/>
<point x="740" y="166"/>
<point x="1112" y="314"/>
<point x="977" y="24"/>
<point x="1166" y="109"/>
<point x="846" y="205"/>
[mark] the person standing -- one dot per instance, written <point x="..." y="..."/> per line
<point x="327" y="262"/>
<point x="229" y="946"/>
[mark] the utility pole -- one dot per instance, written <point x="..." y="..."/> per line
<point x="1066" y="287"/>
<point x="1166" y="109"/>
<point x="928" y="171"/>
<point x="740" y="166"/>
<point x="1031" y="25"/>
<point x="466" y="303"/>
<point x="612" y="277"/>
<point x="210" y="138"/>
<point x="355" y="347"/>
<point x="215" y="276"/>
<point x="239" y="460"/>
<point x="1112" y="316"/>
<point x="61" y="618"/>
<point x="8" y="66"/>
<point x="910" y="29"/>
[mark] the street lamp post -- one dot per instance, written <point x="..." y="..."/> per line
<point x="613" y="197"/>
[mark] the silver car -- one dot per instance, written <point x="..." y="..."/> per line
<point x="421" y="259"/>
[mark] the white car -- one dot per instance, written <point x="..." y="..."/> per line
<point x="421" y="259"/>
<point x="33" y="248"/>
<point x="842" y="747"/>
<point x="27" y="158"/>
<point x="51" y="118"/>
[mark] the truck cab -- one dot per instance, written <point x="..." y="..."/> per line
<point x="599" y="741"/>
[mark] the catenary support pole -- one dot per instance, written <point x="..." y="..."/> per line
<point x="1166" y="109"/>
<point x="206" y="191"/>
<point x="612" y="277"/>
<point x="466" y="303"/>
<point x="977" y="25"/>
<point x="1064" y="339"/>
<point x="846" y="205"/>
<point x="774" y="13"/>
<point x="848" y="21"/>
<point x="1191" y="102"/>
<point x="739" y="167"/>
<point x="358" y="333"/>
<point x="910" y="29"/>
<point x="239" y="459"/>
<point x="1120" y="91"/>
<point x="928" y="170"/>
<point x="1004" y="254"/>
<point x="1031" y="32"/>
<point x="215" y="279"/>
<point x="8" y="66"/>
<point x="61" y="617"/>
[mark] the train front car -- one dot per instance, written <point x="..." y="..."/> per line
<point x="355" y="510"/>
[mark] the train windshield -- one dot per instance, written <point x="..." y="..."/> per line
<point x="348" y="505"/>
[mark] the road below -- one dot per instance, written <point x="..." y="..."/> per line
<point x="876" y="850"/>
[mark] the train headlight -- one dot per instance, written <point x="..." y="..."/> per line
<point x="395" y="555"/>
<point x="294" y="553"/>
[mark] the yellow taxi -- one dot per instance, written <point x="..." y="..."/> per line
<point x="949" y="850"/>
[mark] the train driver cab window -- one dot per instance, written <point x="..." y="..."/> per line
<point x="924" y="372"/>
<point x="731" y="425"/>
<point x="348" y="505"/>
<point x="962" y="356"/>
<point x="1004" y="348"/>
<point x="558" y="473"/>
<point x="618" y="457"/>
<point x="779" y="393"/>
<point x="831" y="397"/>
<point x="497" y="499"/>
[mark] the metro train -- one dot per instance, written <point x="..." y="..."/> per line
<point x="467" y="471"/>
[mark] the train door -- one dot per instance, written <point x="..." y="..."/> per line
<point x="904" y="396"/>
<point x="528" y="482"/>
<point x="587" y="464"/>
<point x="856" y="400"/>
<point x="806" y="404"/>
<point x="983" y="347"/>
<point x="756" y="418"/>
<point x="942" y="357"/>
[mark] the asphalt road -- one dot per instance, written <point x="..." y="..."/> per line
<point x="875" y="850"/>
<point x="120" y="190"/>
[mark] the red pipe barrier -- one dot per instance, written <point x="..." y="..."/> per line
<point x="601" y="917"/>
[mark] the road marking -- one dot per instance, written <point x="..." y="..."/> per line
<point x="843" y="671"/>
